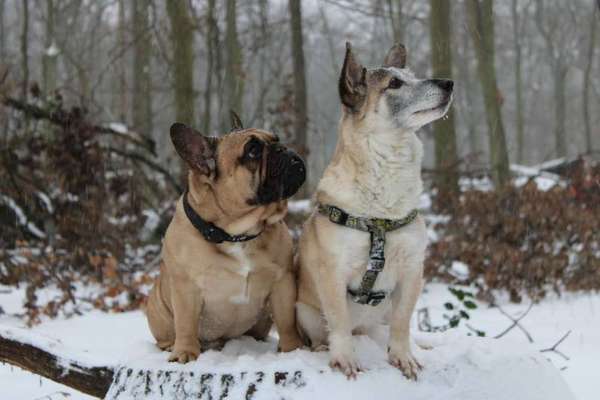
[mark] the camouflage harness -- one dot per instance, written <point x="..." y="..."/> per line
<point x="377" y="228"/>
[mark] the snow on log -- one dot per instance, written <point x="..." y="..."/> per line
<point x="50" y="359"/>
<point x="457" y="367"/>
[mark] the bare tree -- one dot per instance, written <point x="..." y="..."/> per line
<point x="587" y="83"/>
<point x="211" y="41"/>
<point x="121" y="89"/>
<point x="481" y="21"/>
<point x="441" y="62"/>
<point x="142" y="74"/>
<point x="396" y="19"/>
<point x="300" y="106"/>
<point x="50" y="55"/>
<point x="25" y="50"/>
<point x="519" y="110"/>
<point x="234" y="74"/>
<point x="2" y="32"/>
<point x="183" y="60"/>
<point x="559" y="65"/>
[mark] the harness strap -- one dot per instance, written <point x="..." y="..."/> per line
<point x="377" y="228"/>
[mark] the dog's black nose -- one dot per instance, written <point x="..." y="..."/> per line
<point x="445" y="84"/>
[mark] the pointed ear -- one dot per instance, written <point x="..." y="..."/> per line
<point x="396" y="57"/>
<point x="197" y="150"/>
<point x="236" y="121"/>
<point x="352" y="83"/>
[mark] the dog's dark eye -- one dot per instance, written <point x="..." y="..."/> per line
<point x="253" y="149"/>
<point x="395" y="83"/>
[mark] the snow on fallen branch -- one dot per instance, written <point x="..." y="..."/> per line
<point x="21" y="217"/>
<point x="51" y="359"/>
<point x="45" y="357"/>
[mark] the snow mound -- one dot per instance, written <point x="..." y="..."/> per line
<point x="456" y="367"/>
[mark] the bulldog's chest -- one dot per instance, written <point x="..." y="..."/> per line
<point x="244" y="282"/>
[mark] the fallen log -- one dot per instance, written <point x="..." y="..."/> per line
<point x="51" y="359"/>
<point x="45" y="358"/>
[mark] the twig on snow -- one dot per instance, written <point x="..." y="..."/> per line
<point x="515" y="323"/>
<point x="554" y="348"/>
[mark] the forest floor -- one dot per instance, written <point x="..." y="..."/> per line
<point x="460" y="365"/>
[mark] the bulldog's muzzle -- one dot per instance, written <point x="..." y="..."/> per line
<point x="285" y="174"/>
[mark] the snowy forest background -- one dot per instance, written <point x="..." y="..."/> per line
<point x="88" y="175"/>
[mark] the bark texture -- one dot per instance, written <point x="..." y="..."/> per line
<point x="92" y="380"/>
<point x="481" y="20"/>
<point x="299" y="72"/>
<point x="444" y="130"/>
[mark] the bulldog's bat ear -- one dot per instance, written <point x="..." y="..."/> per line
<point x="396" y="57"/>
<point x="197" y="150"/>
<point x="352" y="83"/>
<point x="236" y="121"/>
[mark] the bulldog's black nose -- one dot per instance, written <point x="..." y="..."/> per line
<point x="295" y="175"/>
<point x="445" y="84"/>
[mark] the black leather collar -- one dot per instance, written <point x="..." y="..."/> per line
<point x="210" y="231"/>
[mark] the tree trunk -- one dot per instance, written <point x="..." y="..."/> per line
<point x="234" y="74"/>
<point x="50" y="55"/>
<point x="396" y="19"/>
<point x="183" y="60"/>
<point x="2" y="32"/>
<point x="560" y="103"/>
<point x="142" y="74"/>
<point x="210" y="50"/>
<point x="444" y="131"/>
<point x="481" y="21"/>
<point x="300" y="106"/>
<point x="262" y="81"/>
<point x="25" y="50"/>
<point x="468" y="93"/>
<point x="121" y="89"/>
<point x="587" y="79"/>
<point x="183" y="65"/>
<point x="559" y="71"/>
<point x="518" y="83"/>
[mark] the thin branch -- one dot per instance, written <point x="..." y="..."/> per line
<point x="554" y="348"/>
<point x="515" y="323"/>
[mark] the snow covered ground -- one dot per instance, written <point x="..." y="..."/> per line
<point x="458" y="366"/>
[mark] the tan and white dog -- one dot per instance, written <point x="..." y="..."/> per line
<point x="226" y="263"/>
<point x="375" y="173"/>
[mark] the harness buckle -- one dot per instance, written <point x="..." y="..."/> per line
<point x="335" y="214"/>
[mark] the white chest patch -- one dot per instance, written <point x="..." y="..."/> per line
<point x="246" y="266"/>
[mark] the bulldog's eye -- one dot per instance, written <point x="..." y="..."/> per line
<point x="253" y="149"/>
<point x="395" y="83"/>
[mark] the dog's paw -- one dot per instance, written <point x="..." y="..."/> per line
<point x="346" y="365"/>
<point x="165" y="345"/>
<point x="405" y="362"/>
<point x="183" y="356"/>
<point x="289" y="343"/>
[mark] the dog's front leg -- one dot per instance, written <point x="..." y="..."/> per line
<point x="187" y="305"/>
<point x="404" y="299"/>
<point x="283" y="300"/>
<point x="332" y="292"/>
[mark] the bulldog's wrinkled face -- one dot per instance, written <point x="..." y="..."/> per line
<point x="245" y="168"/>
<point x="391" y="96"/>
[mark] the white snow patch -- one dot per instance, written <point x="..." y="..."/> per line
<point x="299" y="206"/>
<point x="118" y="127"/>
<point x="459" y="270"/>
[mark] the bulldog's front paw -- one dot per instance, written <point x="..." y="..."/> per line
<point x="184" y="354"/>
<point x="346" y="364"/>
<point x="289" y="343"/>
<point x="405" y="362"/>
